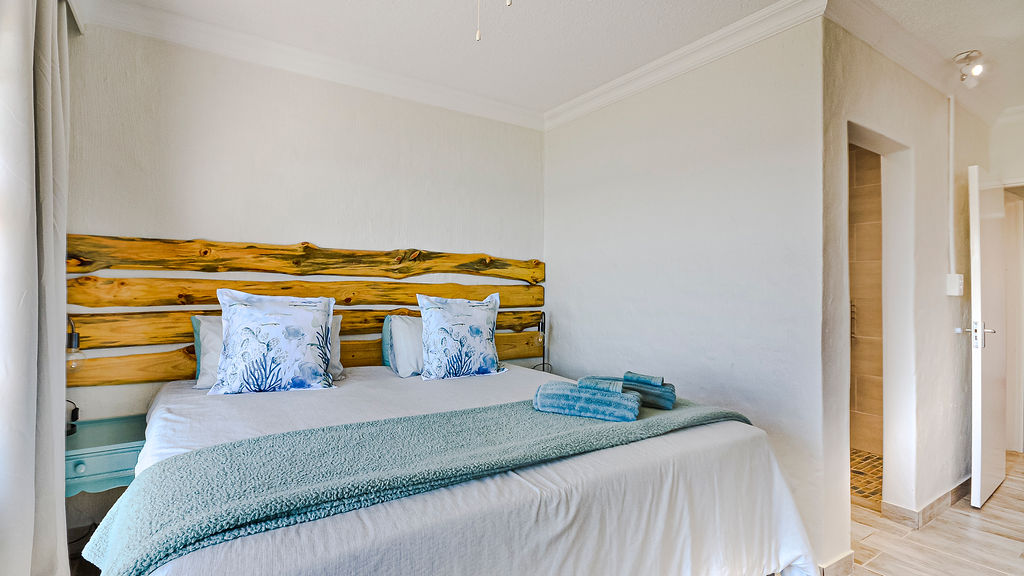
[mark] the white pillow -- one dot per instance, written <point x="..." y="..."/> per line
<point x="404" y="344"/>
<point x="209" y="336"/>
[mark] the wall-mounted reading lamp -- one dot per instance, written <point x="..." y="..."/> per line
<point x="74" y="361"/>
<point x="75" y="356"/>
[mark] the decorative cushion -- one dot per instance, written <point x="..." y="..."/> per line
<point x="273" y="343"/>
<point x="402" y="341"/>
<point x="458" y="337"/>
<point x="208" y="332"/>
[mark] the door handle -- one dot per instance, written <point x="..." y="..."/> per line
<point x="978" y="332"/>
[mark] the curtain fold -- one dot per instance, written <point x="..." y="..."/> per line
<point x="34" y="138"/>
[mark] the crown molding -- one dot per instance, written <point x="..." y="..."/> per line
<point x="868" y="22"/>
<point x="76" y="20"/>
<point x="162" y="25"/>
<point x="771" y="20"/>
<point x="1012" y="114"/>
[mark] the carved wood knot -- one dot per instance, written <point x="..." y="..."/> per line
<point x="348" y="300"/>
<point x="414" y="255"/>
<point x="204" y="252"/>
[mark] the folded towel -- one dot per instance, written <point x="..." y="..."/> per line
<point x="663" y="397"/>
<point x="643" y="379"/>
<point x="654" y="393"/>
<point x="601" y="383"/>
<point x="569" y="399"/>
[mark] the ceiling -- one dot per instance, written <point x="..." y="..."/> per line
<point x="537" y="55"/>
<point x="996" y="27"/>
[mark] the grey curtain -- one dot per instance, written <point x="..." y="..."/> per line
<point x="34" y="109"/>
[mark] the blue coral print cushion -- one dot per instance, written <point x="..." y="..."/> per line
<point x="458" y="337"/>
<point x="273" y="343"/>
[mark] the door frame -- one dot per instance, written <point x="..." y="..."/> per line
<point x="899" y="394"/>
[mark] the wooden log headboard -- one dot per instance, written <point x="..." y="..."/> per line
<point x="517" y="336"/>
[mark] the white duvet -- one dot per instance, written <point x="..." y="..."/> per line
<point x="703" y="501"/>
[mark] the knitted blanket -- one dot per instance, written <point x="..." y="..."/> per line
<point x="227" y="491"/>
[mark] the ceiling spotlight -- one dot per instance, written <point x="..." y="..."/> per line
<point x="971" y="66"/>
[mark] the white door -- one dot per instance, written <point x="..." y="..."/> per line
<point x="988" y="345"/>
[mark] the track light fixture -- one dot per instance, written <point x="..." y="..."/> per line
<point x="971" y="67"/>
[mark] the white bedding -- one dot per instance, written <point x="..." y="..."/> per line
<point x="707" y="500"/>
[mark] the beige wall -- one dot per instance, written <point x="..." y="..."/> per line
<point x="683" y="238"/>
<point x="1008" y="150"/>
<point x="866" y="300"/>
<point x="172" y="142"/>
<point x="927" y="384"/>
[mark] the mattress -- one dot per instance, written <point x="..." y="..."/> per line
<point x="706" y="500"/>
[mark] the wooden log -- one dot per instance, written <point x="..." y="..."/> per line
<point x="146" y="328"/>
<point x="90" y="253"/>
<point x="96" y="292"/>
<point x="180" y="364"/>
<point x="137" y="368"/>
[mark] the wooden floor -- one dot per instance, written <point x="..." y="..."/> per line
<point x="961" y="541"/>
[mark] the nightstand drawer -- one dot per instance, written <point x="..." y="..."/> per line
<point x="103" y="454"/>
<point x="105" y="462"/>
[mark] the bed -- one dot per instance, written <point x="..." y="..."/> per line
<point x="653" y="507"/>
<point x="704" y="500"/>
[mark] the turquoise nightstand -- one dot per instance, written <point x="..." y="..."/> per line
<point x="102" y="454"/>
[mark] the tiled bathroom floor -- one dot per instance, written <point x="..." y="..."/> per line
<point x="866" y="478"/>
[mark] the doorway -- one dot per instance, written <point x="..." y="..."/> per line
<point x="865" y="267"/>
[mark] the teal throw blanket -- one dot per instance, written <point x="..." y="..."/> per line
<point x="227" y="491"/>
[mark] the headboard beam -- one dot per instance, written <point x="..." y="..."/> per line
<point x="181" y="364"/>
<point x="147" y="328"/>
<point x="96" y="292"/>
<point x="91" y="253"/>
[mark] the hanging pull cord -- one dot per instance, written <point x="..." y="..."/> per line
<point x="507" y="3"/>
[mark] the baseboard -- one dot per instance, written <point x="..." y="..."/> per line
<point x="842" y="566"/>
<point x="917" y="519"/>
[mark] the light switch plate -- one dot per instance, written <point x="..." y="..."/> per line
<point x="954" y="284"/>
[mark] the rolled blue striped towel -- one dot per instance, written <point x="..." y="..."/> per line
<point x="569" y="399"/>
<point x="643" y="379"/>
<point x="601" y="383"/>
<point x="663" y="397"/>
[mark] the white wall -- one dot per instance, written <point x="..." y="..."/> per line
<point x="927" y="406"/>
<point x="1013" y="258"/>
<point x="683" y="237"/>
<point x="1008" y="149"/>
<point x="172" y="142"/>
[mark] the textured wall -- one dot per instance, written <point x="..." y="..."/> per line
<point x="927" y="376"/>
<point x="683" y="237"/>
<point x="173" y="142"/>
